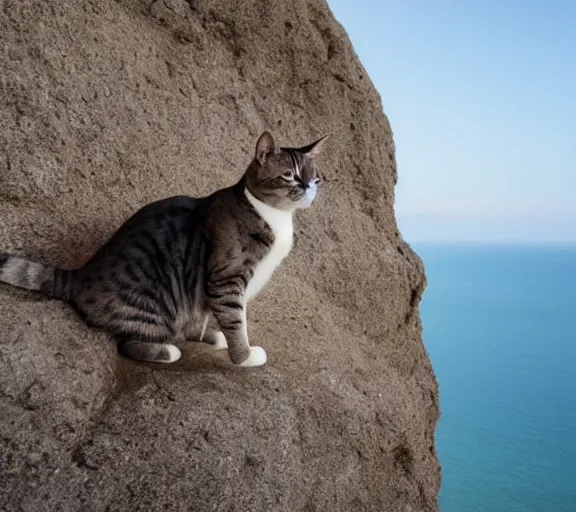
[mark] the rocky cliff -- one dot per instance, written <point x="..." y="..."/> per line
<point x="106" y="105"/>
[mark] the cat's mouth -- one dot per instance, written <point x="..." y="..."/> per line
<point x="309" y="192"/>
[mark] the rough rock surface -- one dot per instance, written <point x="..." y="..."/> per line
<point x="106" y="105"/>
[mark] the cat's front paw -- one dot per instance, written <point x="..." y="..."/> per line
<point x="257" y="357"/>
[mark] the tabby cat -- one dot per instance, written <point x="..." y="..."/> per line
<point x="183" y="268"/>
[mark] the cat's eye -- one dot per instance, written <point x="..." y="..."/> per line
<point x="288" y="175"/>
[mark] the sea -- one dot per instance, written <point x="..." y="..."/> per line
<point x="500" y="328"/>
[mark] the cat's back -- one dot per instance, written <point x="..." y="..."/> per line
<point x="176" y="208"/>
<point x="155" y="231"/>
<point x="159" y="215"/>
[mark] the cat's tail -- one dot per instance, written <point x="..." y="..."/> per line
<point x="23" y="273"/>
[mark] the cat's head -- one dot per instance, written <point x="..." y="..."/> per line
<point x="284" y="178"/>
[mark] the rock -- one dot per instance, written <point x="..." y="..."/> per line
<point x="107" y="105"/>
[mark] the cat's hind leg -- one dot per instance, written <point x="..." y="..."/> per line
<point x="149" y="351"/>
<point x="216" y="340"/>
<point x="139" y="327"/>
<point x="206" y="332"/>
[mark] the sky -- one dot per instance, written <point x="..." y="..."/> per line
<point x="481" y="97"/>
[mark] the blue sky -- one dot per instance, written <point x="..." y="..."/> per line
<point x="482" y="101"/>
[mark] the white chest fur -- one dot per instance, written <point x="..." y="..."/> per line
<point x="281" y="224"/>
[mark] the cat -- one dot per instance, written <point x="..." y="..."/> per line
<point x="183" y="268"/>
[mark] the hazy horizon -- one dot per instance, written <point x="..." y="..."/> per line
<point x="481" y="102"/>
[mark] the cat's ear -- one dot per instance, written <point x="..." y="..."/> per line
<point x="312" y="150"/>
<point x="265" y="147"/>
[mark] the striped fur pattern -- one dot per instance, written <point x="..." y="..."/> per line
<point x="184" y="268"/>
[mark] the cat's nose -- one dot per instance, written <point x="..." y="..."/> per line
<point x="313" y="183"/>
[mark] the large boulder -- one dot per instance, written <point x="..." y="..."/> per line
<point x="106" y="105"/>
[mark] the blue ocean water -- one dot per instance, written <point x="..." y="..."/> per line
<point x="500" y="328"/>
